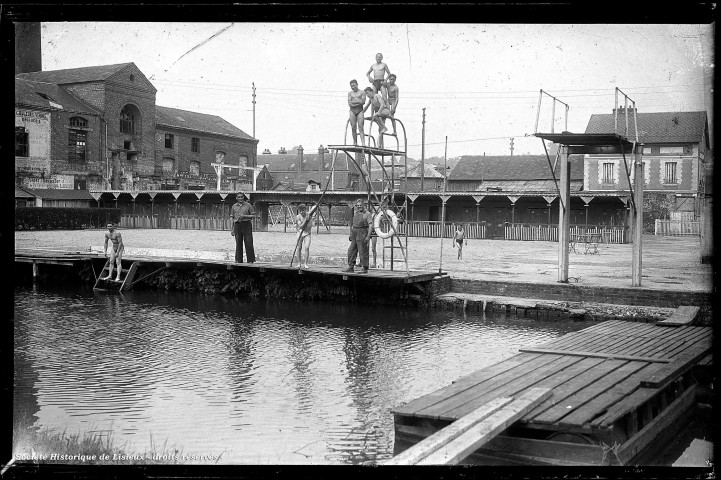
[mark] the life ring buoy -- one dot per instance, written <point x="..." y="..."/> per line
<point x="377" y="224"/>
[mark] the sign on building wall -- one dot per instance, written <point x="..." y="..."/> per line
<point x="51" y="181"/>
<point x="36" y="125"/>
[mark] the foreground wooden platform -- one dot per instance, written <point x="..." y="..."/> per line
<point x="71" y="258"/>
<point x="616" y="387"/>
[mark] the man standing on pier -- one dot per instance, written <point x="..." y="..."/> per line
<point x="360" y="234"/>
<point x="241" y="228"/>
<point x="116" y="252"/>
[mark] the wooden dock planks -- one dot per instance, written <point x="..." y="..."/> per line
<point x="458" y="449"/>
<point x="620" y="367"/>
<point x="611" y="374"/>
<point x="548" y="376"/>
<point x="414" y="407"/>
<point x="70" y="257"/>
<point x="455" y="406"/>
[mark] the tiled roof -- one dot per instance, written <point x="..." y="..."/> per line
<point x="75" y="75"/>
<point x="656" y="127"/>
<point x="21" y="193"/>
<point x="173" y="117"/>
<point x="61" y="194"/>
<point x="527" y="185"/>
<point x="516" y="167"/>
<point x="428" y="172"/>
<point x="28" y="93"/>
<point x="288" y="162"/>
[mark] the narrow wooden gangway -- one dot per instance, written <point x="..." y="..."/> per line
<point x="452" y="444"/>
<point x="616" y="387"/>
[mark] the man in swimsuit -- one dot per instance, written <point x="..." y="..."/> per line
<point x="303" y="226"/>
<point x="459" y="238"/>
<point x="393" y="97"/>
<point x="379" y="70"/>
<point x="356" y="99"/>
<point x="360" y="234"/>
<point x="116" y="253"/>
<point x="380" y="112"/>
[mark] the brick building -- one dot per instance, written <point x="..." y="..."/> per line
<point x="675" y="156"/>
<point x="98" y="128"/>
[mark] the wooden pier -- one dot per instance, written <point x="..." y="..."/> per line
<point x="616" y="388"/>
<point x="380" y="276"/>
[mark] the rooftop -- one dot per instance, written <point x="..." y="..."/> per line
<point x="176" y="118"/>
<point x="655" y="127"/>
<point x="516" y="167"/>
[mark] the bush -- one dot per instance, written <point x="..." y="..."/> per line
<point x="64" y="218"/>
<point x="656" y="206"/>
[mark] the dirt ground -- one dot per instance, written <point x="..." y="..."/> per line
<point x="668" y="263"/>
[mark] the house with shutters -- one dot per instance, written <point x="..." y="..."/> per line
<point x="675" y="157"/>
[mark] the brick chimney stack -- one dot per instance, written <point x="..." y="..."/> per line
<point x="300" y="158"/>
<point x="321" y="158"/>
<point x="28" y="49"/>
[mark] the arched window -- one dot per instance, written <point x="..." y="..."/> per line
<point x="129" y="118"/>
<point x="77" y="140"/>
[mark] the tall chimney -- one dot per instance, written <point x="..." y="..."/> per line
<point x="321" y="160"/>
<point x="300" y="158"/>
<point x="28" y="51"/>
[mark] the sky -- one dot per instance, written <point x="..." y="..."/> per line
<point x="479" y="83"/>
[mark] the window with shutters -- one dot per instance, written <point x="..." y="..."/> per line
<point x="670" y="174"/>
<point x="608" y="173"/>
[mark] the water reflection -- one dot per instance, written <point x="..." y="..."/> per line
<point x="259" y="381"/>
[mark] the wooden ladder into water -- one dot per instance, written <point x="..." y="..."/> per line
<point x="452" y="444"/>
<point x="125" y="282"/>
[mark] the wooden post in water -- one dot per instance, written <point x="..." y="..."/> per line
<point x="638" y="217"/>
<point x="564" y="216"/>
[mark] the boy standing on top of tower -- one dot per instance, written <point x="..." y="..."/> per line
<point x="379" y="70"/>
<point x="356" y="100"/>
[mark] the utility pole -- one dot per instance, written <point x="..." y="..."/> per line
<point x="423" y="149"/>
<point x="253" y="109"/>
<point x="511" y="146"/>
<point x="444" y="199"/>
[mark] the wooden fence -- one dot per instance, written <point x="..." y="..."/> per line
<point x="139" y="221"/>
<point x="433" y="229"/>
<point x="549" y="233"/>
<point x="512" y="231"/>
<point x="677" y="228"/>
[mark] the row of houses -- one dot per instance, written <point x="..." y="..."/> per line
<point x="81" y="132"/>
